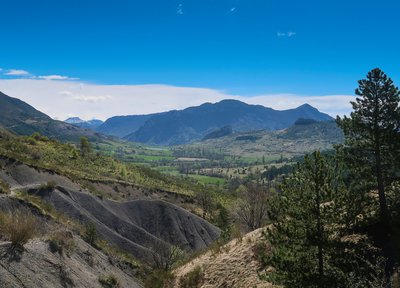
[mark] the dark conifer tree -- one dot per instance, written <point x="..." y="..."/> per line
<point x="313" y="236"/>
<point x="372" y="133"/>
<point x="372" y="146"/>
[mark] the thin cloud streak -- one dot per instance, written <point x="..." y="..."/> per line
<point x="23" y="74"/>
<point x="179" y="9"/>
<point x="55" y="77"/>
<point x="286" y="34"/>
<point x="61" y="99"/>
<point x="16" y="72"/>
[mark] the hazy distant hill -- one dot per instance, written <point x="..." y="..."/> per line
<point x="91" y="124"/>
<point x="23" y="119"/>
<point x="121" y="126"/>
<point x="222" y="132"/>
<point x="314" y="130"/>
<point x="296" y="140"/>
<point x="188" y="125"/>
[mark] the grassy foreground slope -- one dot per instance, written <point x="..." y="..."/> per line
<point x="68" y="160"/>
<point x="233" y="265"/>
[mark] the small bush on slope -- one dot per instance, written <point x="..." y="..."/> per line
<point x="193" y="279"/>
<point x="109" y="281"/>
<point x="62" y="242"/>
<point x="90" y="234"/>
<point x="19" y="227"/>
<point x="4" y="187"/>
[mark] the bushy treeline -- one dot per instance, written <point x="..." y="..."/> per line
<point x="335" y="219"/>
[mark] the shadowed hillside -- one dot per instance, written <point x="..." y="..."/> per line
<point x="23" y="119"/>
<point x="121" y="126"/>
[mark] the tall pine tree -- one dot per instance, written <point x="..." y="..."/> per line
<point x="372" y="143"/>
<point x="372" y="134"/>
<point x="313" y="236"/>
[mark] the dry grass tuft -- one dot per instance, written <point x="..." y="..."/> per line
<point x="18" y="226"/>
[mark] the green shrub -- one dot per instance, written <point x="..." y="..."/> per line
<point x="159" y="279"/>
<point x="90" y="234"/>
<point x="19" y="227"/>
<point x="4" y="187"/>
<point x="109" y="281"/>
<point x="62" y="241"/>
<point x="49" y="185"/>
<point x="192" y="279"/>
<point x="31" y="141"/>
<point x="36" y="136"/>
<point x="44" y="207"/>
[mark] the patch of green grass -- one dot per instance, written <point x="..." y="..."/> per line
<point x="152" y="158"/>
<point x="208" y="179"/>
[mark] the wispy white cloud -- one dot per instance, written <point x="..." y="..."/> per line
<point x="65" y="93"/>
<point x="19" y="73"/>
<point x="179" y="9"/>
<point x="59" y="99"/>
<point x="16" y="72"/>
<point x="286" y="34"/>
<point x="91" y="99"/>
<point x="55" y="77"/>
<point x="233" y="9"/>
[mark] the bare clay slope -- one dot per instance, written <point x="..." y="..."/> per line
<point x="40" y="266"/>
<point x="134" y="226"/>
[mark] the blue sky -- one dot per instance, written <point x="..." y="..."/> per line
<point x="239" y="47"/>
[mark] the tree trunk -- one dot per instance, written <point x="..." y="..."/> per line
<point x="319" y="227"/>
<point x="381" y="187"/>
<point x="320" y="248"/>
<point x="388" y="248"/>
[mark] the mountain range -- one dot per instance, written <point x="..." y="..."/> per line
<point x="167" y="128"/>
<point x="194" y="123"/>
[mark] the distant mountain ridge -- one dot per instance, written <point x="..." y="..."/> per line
<point x="191" y="124"/>
<point x="121" y="126"/>
<point x="23" y="119"/>
<point x="90" y="124"/>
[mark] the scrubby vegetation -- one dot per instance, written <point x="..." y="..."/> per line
<point x="90" y="234"/>
<point x="159" y="279"/>
<point x="18" y="226"/>
<point x="62" y="241"/>
<point x="4" y="187"/>
<point x="109" y="281"/>
<point x="68" y="160"/>
<point x="192" y="279"/>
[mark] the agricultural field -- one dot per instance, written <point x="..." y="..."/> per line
<point x="259" y="155"/>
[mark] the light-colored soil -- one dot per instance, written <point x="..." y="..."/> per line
<point x="235" y="265"/>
